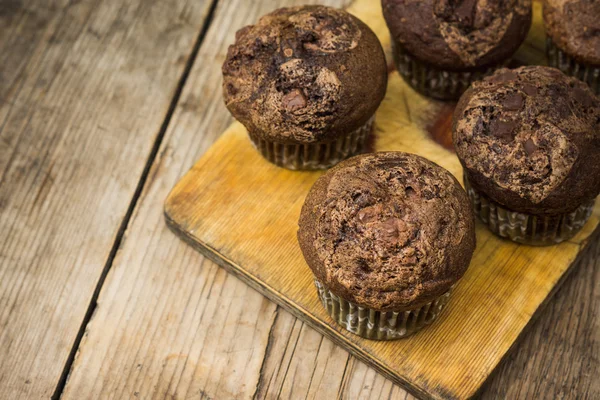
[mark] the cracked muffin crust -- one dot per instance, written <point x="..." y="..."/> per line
<point x="304" y="75"/>
<point x="529" y="138"/>
<point x="458" y="34"/>
<point x="389" y="231"/>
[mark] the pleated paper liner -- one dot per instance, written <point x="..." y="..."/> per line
<point x="557" y="58"/>
<point x="314" y="155"/>
<point x="379" y="325"/>
<point x="434" y="82"/>
<point x="539" y="230"/>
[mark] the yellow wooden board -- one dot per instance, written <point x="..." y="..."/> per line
<point x="242" y="212"/>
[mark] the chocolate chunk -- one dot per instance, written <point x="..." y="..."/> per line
<point x="367" y="214"/>
<point x="513" y="101"/>
<point x="363" y="215"/>
<point x="294" y="100"/>
<point x="583" y="97"/>
<point x="530" y="89"/>
<point x="479" y="127"/>
<point x="465" y="12"/>
<point x="363" y="199"/>
<point x="389" y="226"/>
<point x="503" y="129"/>
<point x="363" y="265"/>
<point x="530" y="147"/>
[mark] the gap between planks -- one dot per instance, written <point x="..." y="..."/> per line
<point x="85" y="88"/>
<point x="134" y="200"/>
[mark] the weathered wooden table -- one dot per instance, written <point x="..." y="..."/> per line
<point x="103" y="106"/>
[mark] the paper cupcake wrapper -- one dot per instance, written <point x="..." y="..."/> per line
<point x="434" y="82"/>
<point x="557" y="58"/>
<point x="314" y="155"/>
<point x="379" y="325"/>
<point x="538" y="230"/>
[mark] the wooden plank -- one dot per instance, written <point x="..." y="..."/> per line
<point x="84" y="89"/>
<point x="232" y="193"/>
<point x="168" y="323"/>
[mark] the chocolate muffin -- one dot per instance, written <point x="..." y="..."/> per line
<point x="573" y="38"/>
<point x="529" y="142"/>
<point x="387" y="235"/>
<point x="305" y="82"/>
<point x="441" y="46"/>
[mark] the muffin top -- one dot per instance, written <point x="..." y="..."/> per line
<point x="459" y="34"/>
<point x="529" y="138"/>
<point x="389" y="231"/>
<point x="574" y="25"/>
<point x="304" y="75"/>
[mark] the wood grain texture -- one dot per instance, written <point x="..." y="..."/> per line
<point x="559" y="358"/>
<point x="231" y="194"/>
<point x="84" y="89"/>
<point x="169" y="323"/>
<point x="302" y="363"/>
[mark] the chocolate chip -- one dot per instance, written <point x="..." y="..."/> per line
<point x="530" y="147"/>
<point x="530" y="89"/>
<point x="503" y="129"/>
<point x="362" y="215"/>
<point x="479" y="126"/>
<point x="583" y="97"/>
<point x="503" y="75"/>
<point x="389" y="226"/>
<point x="294" y="100"/>
<point x="362" y="200"/>
<point x="466" y="12"/>
<point x="513" y="102"/>
<point x="366" y="215"/>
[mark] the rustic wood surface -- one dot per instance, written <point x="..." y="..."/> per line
<point x="170" y="323"/>
<point x="84" y="89"/>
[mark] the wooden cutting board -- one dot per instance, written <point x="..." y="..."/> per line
<point x="242" y="212"/>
